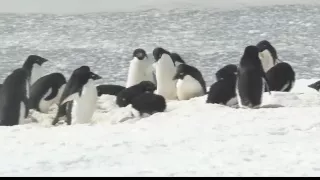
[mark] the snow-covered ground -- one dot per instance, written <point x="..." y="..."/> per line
<point x="191" y="138"/>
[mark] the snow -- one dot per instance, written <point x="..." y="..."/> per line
<point x="191" y="138"/>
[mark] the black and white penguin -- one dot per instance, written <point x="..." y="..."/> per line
<point x="140" y="68"/>
<point x="250" y="83"/>
<point x="125" y="97"/>
<point x="267" y="54"/>
<point x="223" y="90"/>
<point x="46" y="91"/>
<point x="281" y="77"/>
<point x="190" y="82"/>
<point x="165" y="69"/>
<point x="80" y="96"/>
<point x="149" y="103"/>
<point x="14" y="98"/>
<point x="109" y="89"/>
<point x="315" y="85"/>
<point x="33" y="65"/>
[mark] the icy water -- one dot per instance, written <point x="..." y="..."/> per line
<point x="206" y="39"/>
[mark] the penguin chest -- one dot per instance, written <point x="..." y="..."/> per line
<point x="36" y="73"/>
<point x="138" y="71"/>
<point x="188" y="88"/>
<point x="84" y="107"/>
<point x="22" y="113"/>
<point x="266" y="60"/>
<point x="165" y="71"/>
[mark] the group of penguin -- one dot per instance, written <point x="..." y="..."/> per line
<point x="150" y="84"/>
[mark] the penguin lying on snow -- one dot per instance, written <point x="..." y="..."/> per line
<point x="125" y="97"/>
<point x="267" y="54"/>
<point x="281" y="77"/>
<point x="46" y="91"/>
<point x="223" y="90"/>
<point x="140" y="68"/>
<point x="190" y="82"/>
<point x="109" y="89"/>
<point x="14" y="98"/>
<point x="250" y="79"/>
<point x="79" y="98"/>
<point x="149" y="103"/>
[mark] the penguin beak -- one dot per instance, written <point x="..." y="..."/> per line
<point x="95" y="76"/>
<point x="42" y="60"/>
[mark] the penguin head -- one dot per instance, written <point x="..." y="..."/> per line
<point x="250" y="56"/>
<point x="35" y="59"/>
<point x="228" y="71"/>
<point x="140" y="54"/>
<point x="177" y="58"/>
<point x="266" y="45"/>
<point x="158" y="52"/>
<point x="83" y="74"/>
<point x="148" y="86"/>
<point x="182" y="71"/>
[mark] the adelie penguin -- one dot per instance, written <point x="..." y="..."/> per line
<point x="140" y="68"/>
<point x="223" y="90"/>
<point x="281" y="77"/>
<point x="125" y="97"/>
<point x="14" y="98"/>
<point x="267" y="54"/>
<point x="46" y="91"/>
<point x="165" y="69"/>
<point x="251" y="79"/>
<point x="190" y="82"/>
<point x="33" y="65"/>
<point x="79" y="97"/>
<point x="149" y="103"/>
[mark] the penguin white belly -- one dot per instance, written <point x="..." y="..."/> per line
<point x="36" y="73"/>
<point x="84" y="106"/>
<point x="165" y="71"/>
<point x="22" y="113"/>
<point x="266" y="60"/>
<point x="45" y="105"/>
<point x="139" y="70"/>
<point x="188" y="88"/>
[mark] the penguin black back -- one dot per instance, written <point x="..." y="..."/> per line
<point x="13" y="92"/>
<point x="42" y="85"/>
<point x="185" y="69"/>
<point x="228" y="71"/>
<point x="109" y="89"/>
<point x="125" y="97"/>
<point x="281" y="77"/>
<point x="149" y="103"/>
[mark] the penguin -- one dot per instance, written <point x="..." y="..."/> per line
<point x="33" y="65"/>
<point x="140" y="68"/>
<point x="165" y="69"/>
<point x="46" y="91"/>
<point x="267" y="54"/>
<point x="78" y="100"/>
<point x="177" y="59"/>
<point x="109" y="89"/>
<point x="223" y="90"/>
<point x="281" y="77"/>
<point x="315" y="85"/>
<point x="250" y="79"/>
<point x="190" y="82"/>
<point x="125" y="97"/>
<point x="14" y="98"/>
<point x="149" y="103"/>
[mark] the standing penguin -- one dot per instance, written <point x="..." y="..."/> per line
<point x="250" y="79"/>
<point x="223" y="90"/>
<point x="281" y="77"/>
<point x="14" y="98"/>
<point x="79" y="97"/>
<point x="165" y="70"/>
<point x="190" y="82"/>
<point x="140" y="68"/>
<point x="46" y="91"/>
<point x="33" y="65"/>
<point x="267" y="54"/>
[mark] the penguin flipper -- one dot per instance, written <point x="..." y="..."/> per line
<point x="52" y="95"/>
<point x="25" y="101"/>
